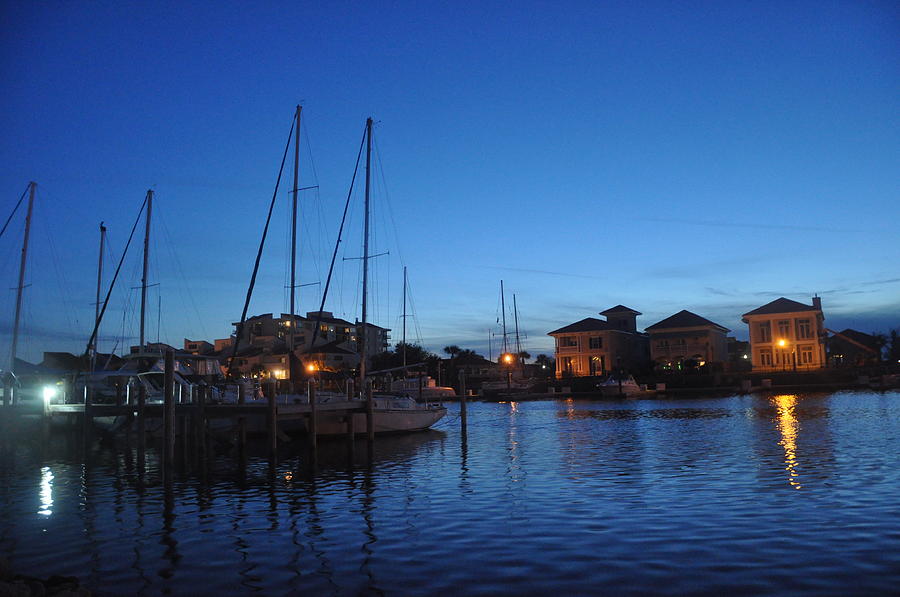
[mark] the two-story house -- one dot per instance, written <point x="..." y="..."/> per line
<point x="787" y="335"/>
<point x="595" y="347"/>
<point x="686" y="336"/>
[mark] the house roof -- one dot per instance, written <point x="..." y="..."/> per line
<point x="620" y="309"/>
<point x="781" y="305"/>
<point x="329" y="348"/>
<point x="588" y="324"/>
<point x="861" y="337"/>
<point x="685" y="319"/>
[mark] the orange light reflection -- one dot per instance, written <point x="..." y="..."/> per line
<point x="789" y="427"/>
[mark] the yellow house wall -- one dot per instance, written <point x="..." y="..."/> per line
<point x="790" y="356"/>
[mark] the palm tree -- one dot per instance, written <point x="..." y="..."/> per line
<point x="452" y="350"/>
<point x="523" y="356"/>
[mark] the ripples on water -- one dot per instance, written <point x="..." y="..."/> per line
<point x="742" y="495"/>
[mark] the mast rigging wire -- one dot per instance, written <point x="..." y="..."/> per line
<point x="262" y="243"/>
<point x="337" y="244"/>
<point x="115" y="276"/>
<point x="25" y="192"/>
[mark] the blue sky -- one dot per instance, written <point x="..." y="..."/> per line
<point x="707" y="156"/>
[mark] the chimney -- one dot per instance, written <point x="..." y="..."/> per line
<point x="817" y="302"/>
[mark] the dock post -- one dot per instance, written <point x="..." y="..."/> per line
<point x="311" y="427"/>
<point x="370" y="414"/>
<point x="351" y="432"/>
<point x="141" y="427"/>
<point x="169" y="409"/>
<point x="421" y="381"/>
<point x="462" y="402"/>
<point x="200" y="421"/>
<point x="87" y="421"/>
<point x="349" y="389"/>
<point x="273" y="424"/>
<point x="120" y="395"/>
<point x="242" y="423"/>
<point x="45" y="416"/>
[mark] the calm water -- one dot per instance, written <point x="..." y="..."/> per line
<point x="741" y="495"/>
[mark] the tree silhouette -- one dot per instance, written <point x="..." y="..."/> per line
<point x="452" y="350"/>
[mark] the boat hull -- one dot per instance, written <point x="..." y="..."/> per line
<point x="385" y="421"/>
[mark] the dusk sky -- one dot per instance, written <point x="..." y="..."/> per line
<point x="665" y="156"/>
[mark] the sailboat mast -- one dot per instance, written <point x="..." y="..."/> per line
<point x="518" y="344"/>
<point x="364" y="332"/>
<point x="404" y="316"/>
<point x="21" y="286"/>
<point x="97" y="303"/>
<point x="503" y="311"/>
<point x="146" y="264"/>
<point x="292" y="321"/>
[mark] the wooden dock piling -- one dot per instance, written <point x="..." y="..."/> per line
<point x="87" y="421"/>
<point x="370" y="414"/>
<point x="311" y="427"/>
<point x="462" y="402"/>
<point x="272" y="424"/>
<point x="169" y="407"/>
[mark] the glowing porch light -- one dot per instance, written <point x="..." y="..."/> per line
<point x="781" y="343"/>
<point x="49" y="394"/>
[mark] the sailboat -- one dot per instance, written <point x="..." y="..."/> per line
<point x="513" y="381"/>
<point x="421" y="387"/>
<point x="392" y="413"/>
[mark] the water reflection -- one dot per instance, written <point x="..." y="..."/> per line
<point x="46" y="492"/>
<point x="604" y="478"/>
<point x="789" y="427"/>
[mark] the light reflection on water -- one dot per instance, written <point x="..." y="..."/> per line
<point x="569" y="496"/>
<point x="789" y="426"/>
<point x="46" y="494"/>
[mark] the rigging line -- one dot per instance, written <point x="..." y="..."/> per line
<point x="338" y="243"/>
<point x="14" y="209"/>
<point x="259" y="253"/>
<point x="115" y="276"/>
<point x="387" y="200"/>
<point x="185" y="288"/>
<point x="61" y="282"/>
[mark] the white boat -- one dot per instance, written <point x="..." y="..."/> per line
<point x="391" y="414"/>
<point x="625" y="386"/>
<point x="430" y="391"/>
<point x="514" y="386"/>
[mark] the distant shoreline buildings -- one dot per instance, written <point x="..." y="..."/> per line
<point x="784" y="335"/>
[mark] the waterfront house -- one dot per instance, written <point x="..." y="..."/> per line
<point x="853" y="348"/>
<point x="595" y="347"/>
<point x="686" y="339"/>
<point x="787" y="335"/>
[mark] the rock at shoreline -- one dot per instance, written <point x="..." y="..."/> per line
<point x="18" y="585"/>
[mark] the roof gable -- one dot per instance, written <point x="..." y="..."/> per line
<point x="588" y="324"/>
<point x="781" y="305"/>
<point x="684" y="319"/>
<point x="620" y="309"/>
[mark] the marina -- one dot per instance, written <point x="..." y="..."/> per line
<point x="782" y="494"/>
